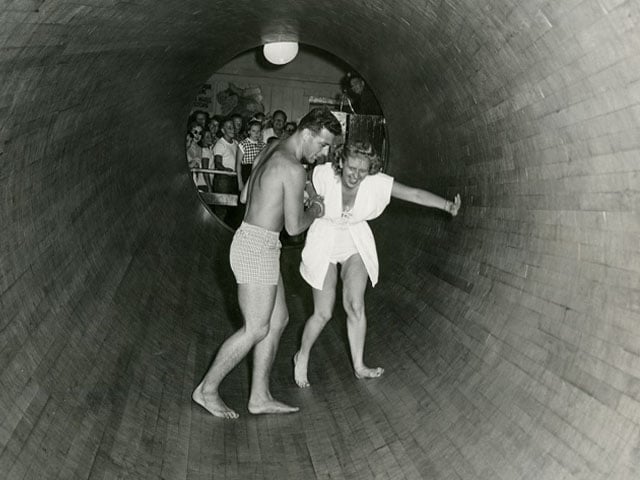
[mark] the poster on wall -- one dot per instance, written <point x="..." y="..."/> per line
<point x="245" y="101"/>
<point x="203" y="99"/>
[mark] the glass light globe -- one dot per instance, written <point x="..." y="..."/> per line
<point x="280" y="53"/>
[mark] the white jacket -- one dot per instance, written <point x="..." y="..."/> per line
<point x="372" y="198"/>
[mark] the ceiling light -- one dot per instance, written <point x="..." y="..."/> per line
<point x="280" y="53"/>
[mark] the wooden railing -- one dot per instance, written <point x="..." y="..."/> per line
<point x="210" y="197"/>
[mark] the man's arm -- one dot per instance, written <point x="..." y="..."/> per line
<point x="424" y="198"/>
<point x="296" y="218"/>
<point x="239" y="157"/>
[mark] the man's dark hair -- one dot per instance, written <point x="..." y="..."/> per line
<point x="320" y="118"/>
<point x="281" y="113"/>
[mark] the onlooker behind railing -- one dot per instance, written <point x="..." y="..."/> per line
<point x="248" y="150"/>
<point x="224" y="158"/>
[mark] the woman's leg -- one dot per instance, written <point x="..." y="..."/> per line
<point x="354" y="282"/>
<point x="323" y="301"/>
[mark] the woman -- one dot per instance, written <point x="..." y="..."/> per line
<point x="194" y="151"/>
<point x="248" y="150"/>
<point x="354" y="191"/>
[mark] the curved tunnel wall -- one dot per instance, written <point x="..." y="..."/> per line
<point x="512" y="331"/>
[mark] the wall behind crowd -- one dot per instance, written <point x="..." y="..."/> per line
<point x="287" y="87"/>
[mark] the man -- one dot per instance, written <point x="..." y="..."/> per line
<point x="363" y="100"/>
<point x="274" y="197"/>
<point x="238" y="125"/>
<point x="224" y="158"/>
<point x="279" y="120"/>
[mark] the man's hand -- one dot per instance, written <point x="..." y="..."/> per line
<point x="316" y="202"/>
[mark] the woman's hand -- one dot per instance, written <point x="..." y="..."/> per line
<point x="453" y="207"/>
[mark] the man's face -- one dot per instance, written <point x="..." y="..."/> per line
<point x="318" y="144"/>
<point x="228" y="129"/>
<point x="254" y="132"/>
<point x="213" y="126"/>
<point x="278" y="122"/>
<point x="201" y="119"/>
<point x="354" y="169"/>
<point x="237" y="124"/>
<point x="357" y="85"/>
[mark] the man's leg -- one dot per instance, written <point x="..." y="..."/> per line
<point x="260" y="399"/>
<point x="354" y="284"/>
<point x="323" y="301"/>
<point x="256" y="303"/>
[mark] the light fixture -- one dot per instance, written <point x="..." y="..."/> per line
<point x="280" y="53"/>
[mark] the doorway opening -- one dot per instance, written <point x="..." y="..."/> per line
<point x="249" y="103"/>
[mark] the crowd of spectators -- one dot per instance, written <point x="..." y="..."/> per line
<point x="226" y="147"/>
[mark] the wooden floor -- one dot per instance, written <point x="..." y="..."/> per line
<point x="346" y="428"/>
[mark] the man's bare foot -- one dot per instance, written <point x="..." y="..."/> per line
<point x="213" y="404"/>
<point x="270" y="406"/>
<point x="366" y="372"/>
<point x="300" y="372"/>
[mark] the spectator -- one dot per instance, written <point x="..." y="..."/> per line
<point x="289" y="128"/>
<point x="200" y="117"/>
<point x="214" y="127"/>
<point x="238" y="124"/>
<point x="260" y="117"/>
<point x="224" y="158"/>
<point x="279" y="119"/>
<point x="194" y="135"/>
<point x="194" y="150"/>
<point x="248" y="150"/>
<point x="206" y="161"/>
<point x="362" y="98"/>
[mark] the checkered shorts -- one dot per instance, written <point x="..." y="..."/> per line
<point x="255" y="255"/>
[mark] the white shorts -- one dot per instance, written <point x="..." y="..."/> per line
<point x="343" y="246"/>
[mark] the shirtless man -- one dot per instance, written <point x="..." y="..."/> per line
<point x="274" y="195"/>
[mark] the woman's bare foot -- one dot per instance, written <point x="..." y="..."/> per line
<point x="270" y="406"/>
<point x="300" y="371"/>
<point x="213" y="404"/>
<point x="366" y="372"/>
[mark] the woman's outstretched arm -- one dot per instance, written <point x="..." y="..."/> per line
<point x="424" y="198"/>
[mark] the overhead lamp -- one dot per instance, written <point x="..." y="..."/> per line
<point x="280" y="53"/>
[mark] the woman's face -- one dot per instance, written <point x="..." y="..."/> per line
<point x="207" y="138"/>
<point x="354" y="170"/>
<point x="196" y="132"/>
<point x="254" y="132"/>
<point x="213" y="126"/>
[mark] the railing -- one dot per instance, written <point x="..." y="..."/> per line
<point x="210" y="197"/>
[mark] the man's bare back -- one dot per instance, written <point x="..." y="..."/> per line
<point x="277" y="180"/>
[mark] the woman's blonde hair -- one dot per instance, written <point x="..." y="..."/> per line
<point x="356" y="149"/>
